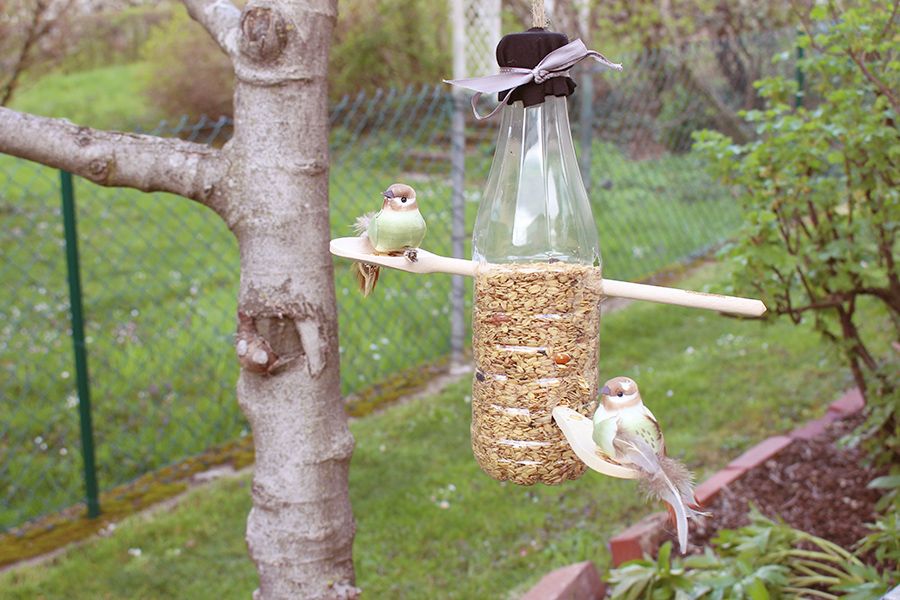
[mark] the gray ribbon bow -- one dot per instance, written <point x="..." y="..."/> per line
<point x="555" y="64"/>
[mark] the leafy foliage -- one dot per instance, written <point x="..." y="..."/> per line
<point x="763" y="560"/>
<point x="884" y="540"/>
<point x="389" y="43"/>
<point x="640" y="24"/>
<point x="820" y="192"/>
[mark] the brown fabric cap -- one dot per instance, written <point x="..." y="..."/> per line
<point x="526" y="49"/>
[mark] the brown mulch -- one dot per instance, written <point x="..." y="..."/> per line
<point x="814" y="485"/>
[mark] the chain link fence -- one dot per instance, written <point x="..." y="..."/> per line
<point x="160" y="275"/>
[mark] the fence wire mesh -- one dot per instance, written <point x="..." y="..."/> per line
<point x="160" y="274"/>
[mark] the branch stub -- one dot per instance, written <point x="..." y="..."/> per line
<point x="264" y="34"/>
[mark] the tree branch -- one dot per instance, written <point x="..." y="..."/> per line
<point x="110" y="158"/>
<point x="882" y="87"/>
<point x="220" y="18"/>
<point x="34" y="32"/>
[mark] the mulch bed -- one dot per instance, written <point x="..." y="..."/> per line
<point x="814" y="485"/>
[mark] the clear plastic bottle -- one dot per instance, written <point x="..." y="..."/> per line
<point x="536" y="317"/>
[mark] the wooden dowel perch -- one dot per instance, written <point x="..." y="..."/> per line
<point x="358" y="249"/>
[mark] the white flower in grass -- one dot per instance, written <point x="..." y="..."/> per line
<point x="135" y="552"/>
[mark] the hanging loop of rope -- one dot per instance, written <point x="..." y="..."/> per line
<point x="538" y="16"/>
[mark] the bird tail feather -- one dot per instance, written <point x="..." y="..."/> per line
<point x="366" y="274"/>
<point x="663" y="478"/>
<point x="361" y="225"/>
<point x="366" y="277"/>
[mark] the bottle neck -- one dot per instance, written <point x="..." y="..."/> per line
<point x="535" y="207"/>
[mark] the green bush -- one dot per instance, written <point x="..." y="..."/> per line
<point x="820" y="192"/>
<point x="187" y="73"/>
<point x="391" y="43"/>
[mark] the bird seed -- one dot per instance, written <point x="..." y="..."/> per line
<point x="535" y="340"/>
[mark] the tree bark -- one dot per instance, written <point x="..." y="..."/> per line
<point x="270" y="184"/>
<point x="111" y="158"/>
<point x="220" y="18"/>
<point x="300" y="530"/>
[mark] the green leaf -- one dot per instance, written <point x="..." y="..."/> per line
<point x="757" y="590"/>
<point x="662" y="561"/>
<point x="885" y="482"/>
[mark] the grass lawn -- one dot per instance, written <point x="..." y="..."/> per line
<point x="436" y="526"/>
<point x="104" y="97"/>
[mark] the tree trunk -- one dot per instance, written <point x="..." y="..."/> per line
<point x="300" y="530"/>
<point x="270" y="185"/>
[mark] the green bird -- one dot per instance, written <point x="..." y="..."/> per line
<point x="626" y="431"/>
<point x="398" y="228"/>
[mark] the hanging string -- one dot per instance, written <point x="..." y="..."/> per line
<point x="538" y="17"/>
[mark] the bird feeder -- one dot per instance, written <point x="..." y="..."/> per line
<point x="538" y="278"/>
<point x="536" y="317"/>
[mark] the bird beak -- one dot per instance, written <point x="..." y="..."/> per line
<point x="605" y="391"/>
<point x="387" y="193"/>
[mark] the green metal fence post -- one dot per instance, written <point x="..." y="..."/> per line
<point x="798" y="74"/>
<point x="81" y="369"/>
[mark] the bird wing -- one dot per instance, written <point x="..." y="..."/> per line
<point x="662" y="440"/>
<point x="424" y="230"/>
<point x="605" y="433"/>
<point x="398" y="230"/>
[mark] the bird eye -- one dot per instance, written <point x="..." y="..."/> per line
<point x="403" y="199"/>
<point x="620" y="394"/>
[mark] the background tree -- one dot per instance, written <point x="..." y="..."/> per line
<point x="666" y="34"/>
<point x="24" y="24"/>
<point x="821" y="193"/>
<point x="270" y="186"/>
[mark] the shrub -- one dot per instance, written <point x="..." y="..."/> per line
<point x="391" y="43"/>
<point x="187" y="73"/>
<point x="821" y="197"/>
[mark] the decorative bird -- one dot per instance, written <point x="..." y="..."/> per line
<point x="626" y="431"/>
<point x="398" y="228"/>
